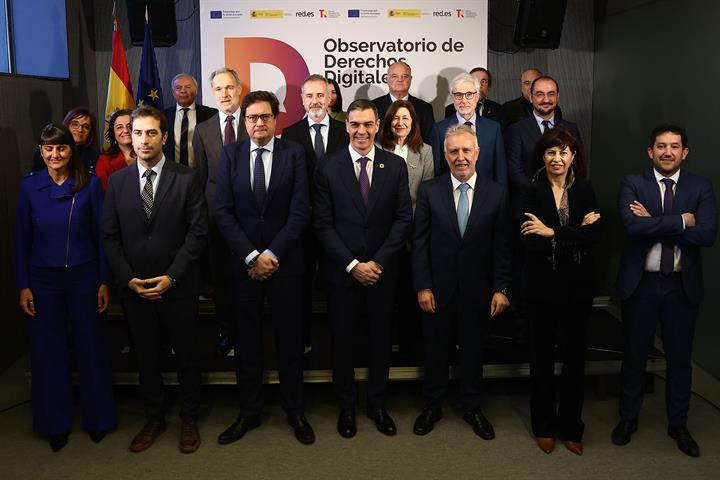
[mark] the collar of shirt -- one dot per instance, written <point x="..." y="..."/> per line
<point x="462" y="121"/>
<point x="325" y="121"/>
<point x="539" y="120"/>
<point x="236" y="120"/>
<point x="355" y="156"/>
<point x="157" y="168"/>
<point x="659" y="177"/>
<point x="401" y="150"/>
<point x="406" y="98"/>
<point x="190" y="107"/>
<point x="269" y="146"/>
<point x="471" y="181"/>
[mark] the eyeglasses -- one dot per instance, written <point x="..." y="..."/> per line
<point x="79" y="126"/>
<point x="466" y="95"/>
<point x="265" y="117"/>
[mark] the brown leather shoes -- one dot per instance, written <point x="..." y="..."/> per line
<point x="574" y="447"/>
<point x="189" y="435"/>
<point x="546" y="444"/>
<point x="147" y="435"/>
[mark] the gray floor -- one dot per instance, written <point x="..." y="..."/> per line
<point x="451" y="451"/>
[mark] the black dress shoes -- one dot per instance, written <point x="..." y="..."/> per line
<point x="97" y="436"/>
<point x="425" y="422"/>
<point x="303" y="431"/>
<point x="239" y="428"/>
<point x="383" y="421"/>
<point x="58" y="442"/>
<point x="622" y="433"/>
<point x="346" y="425"/>
<point x="481" y="426"/>
<point x="684" y="440"/>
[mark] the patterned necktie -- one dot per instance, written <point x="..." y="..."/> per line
<point x="229" y="130"/>
<point x="667" y="254"/>
<point x="184" y="127"/>
<point x="147" y="192"/>
<point x="546" y="125"/>
<point x="319" y="146"/>
<point x="364" y="180"/>
<point x="259" y="178"/>
<point x="463" y="208"/>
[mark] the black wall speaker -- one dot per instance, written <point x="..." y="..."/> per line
<point x="162" y="21"/>
<point x="539" y="23"/>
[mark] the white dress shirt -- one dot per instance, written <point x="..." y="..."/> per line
<point x="355" y="156"/>
<point x="177" y="131"/>
<point x="324" y="130"/>
<point x="472" y="120"/>
<point x="539" y="121"/>
<point x="235" y="122"/>
<point x="470" y="193"/>
<point x="155" y="179"/>
<point x="652" y="261"/>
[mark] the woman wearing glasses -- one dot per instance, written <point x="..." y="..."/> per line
<point x="82" y="126"/>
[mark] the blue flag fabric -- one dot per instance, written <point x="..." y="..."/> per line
<point x="149" y="90"/>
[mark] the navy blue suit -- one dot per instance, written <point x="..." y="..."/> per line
<point x="278" y="225"/>
<point x="672" y="300"/>
<point x="349" y="230"/>
<point x="463" y="272"/>
<point x="491" y="163"/>
<point x="60" y="258"/>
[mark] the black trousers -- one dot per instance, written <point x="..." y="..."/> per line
<point x="465" y="320"/>
<point x="658" y="299"/>
<point x="148" y="320"/>
<point x="557" y="409"/>
<point x="347" y="307"/>
<point x="284" y="294"/>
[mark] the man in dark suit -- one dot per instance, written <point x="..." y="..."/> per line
<point x="465" y="90"/>
<point x="522" y="107"/>
<point x="668" y="214"/>
<point x="223" y="128"/>
<point x="485" y="107"/>
<point x="362" y="215"/>
<point x="399" y="77"/>
<point x="182" y="119"/>
<point x="320" y="135"/>
<point x="461" y="269"/>
<point x="155" y="230"/>
<point x="262" y="209"/>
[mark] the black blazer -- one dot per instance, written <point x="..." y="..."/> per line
<point x="279" y="223"/>
<point x="560" y="270"/>
<point x="423" y="109"/>
<point x="472" y="266"/>
<point x="202" y="113"/>
<point x="299" y="132"/>
<point x="347" y="229"/>
<point x="170" y="242"/>
<point x="491" y="110"/>
<point x="519" y="109"/>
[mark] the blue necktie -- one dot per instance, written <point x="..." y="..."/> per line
<point x="259" y="178"/>
<point x="667" y="254"/>
<point x="463" y="208"/>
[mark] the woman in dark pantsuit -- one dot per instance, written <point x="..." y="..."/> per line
<point x="561" y="223"/>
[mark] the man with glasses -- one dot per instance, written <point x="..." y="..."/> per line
<point x="485" y="107"/>
<point x="262" y="208"/>
<point x="521" y="107"/>
<point x="399" y="77"/>
<point x="465" y="92"/>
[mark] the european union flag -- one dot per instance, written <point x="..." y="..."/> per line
<point x="353" y="13"/>
<point x="149" y="90"/>
<point x="215" y="13"/>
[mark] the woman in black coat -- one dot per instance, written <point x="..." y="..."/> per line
<point x="560" y="227"/>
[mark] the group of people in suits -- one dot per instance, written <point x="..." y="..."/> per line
<point x="391" y="205"/>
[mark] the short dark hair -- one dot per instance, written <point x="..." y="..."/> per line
<point x="481" y="69"/>
<point x="559" y="137"/>
<point x="150" y="111"/>
<point x="82" y="112"/>
<point x="260" y="96"/>
<point x="338" y="107"/>
<point x="114" y="148"/>
<point x="668" y="128"/>
<point x="363" y="104"/>
<point x="387" y="138"/>
<point x="58" y="134"/>
<point x="541" y="78"/>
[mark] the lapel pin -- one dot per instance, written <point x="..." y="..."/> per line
<point x="382" y="165"/>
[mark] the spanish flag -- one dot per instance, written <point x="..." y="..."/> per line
<point x="119" y="93"/>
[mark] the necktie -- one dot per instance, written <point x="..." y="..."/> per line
<point x="667" y="254"/>
<point x="463" y="208"/>
<point x="546" y="125"/>
<point x="147" y="192"/>
<point x="364" y="180"/>
<point x="319" y="146"/>
<point x="184" y="126"/>
<point x="259" y="178"/>
<point x="229" y="130"/>
<point x="469" y="124"/>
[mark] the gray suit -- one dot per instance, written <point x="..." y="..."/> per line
<point x="420" y="168"/>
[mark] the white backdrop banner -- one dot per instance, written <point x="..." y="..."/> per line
<point x="274" y="45"/>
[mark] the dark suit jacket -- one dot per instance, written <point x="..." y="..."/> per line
<point x="491" y="110"/>
<point x="207" y="142"/>
<point x="519" y="109"/>
<point x="423" y="110"/>
<point x="561" y="272"/>
<point x="277" y="225"/>
<point x="170" y="242"/>
<point x="202" y="113"/>
<point x="347" y="229"/>
<point x="474" y="265"/>
<point x="693" y="194"/>
<point x="299" y="132"/>
<point x="491" y="163"/>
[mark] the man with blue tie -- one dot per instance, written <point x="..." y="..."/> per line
<point x="262" y="209"/>
<point x="668" y="214"/>
<point x="461" y="269"/>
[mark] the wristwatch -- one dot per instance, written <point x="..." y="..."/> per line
<point x="172" y="279"/>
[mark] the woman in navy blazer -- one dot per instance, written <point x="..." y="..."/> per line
<point x="62" y="275"/>
<point x="561" y="223"/>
